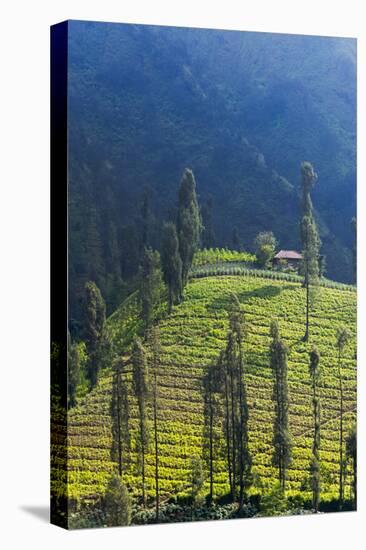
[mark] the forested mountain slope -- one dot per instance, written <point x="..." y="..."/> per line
<point x="240" y="110"/>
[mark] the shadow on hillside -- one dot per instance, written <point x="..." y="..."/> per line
<point x="264" y="292"/>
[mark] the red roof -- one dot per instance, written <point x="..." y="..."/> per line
<point x="288" y="255"/>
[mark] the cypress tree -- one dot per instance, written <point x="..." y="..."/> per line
<point x="354" y="248"/>
<point x="188" y="222"/>
<point x="171" y="264"/>
<point x="141" y="391"/>
<point x="208" y="235"/>
<point x="73" y="367"/>
<point x="281" y="435"/>
<point x="197" y="480"/>
<point x="154" y="340"/>
<point x="236" y="408"/>
<point x="315" y="464"/>
<point x="96" y="339"/>
<point x="309" y="238"/>
<point x="120" y="414"/>
<point x="212" y="386"/>
<point x="151" y="282"/>
<point x="342" y="339"/>
<point x="351" y="454"/>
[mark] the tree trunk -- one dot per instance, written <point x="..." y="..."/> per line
<point x="156" y="456"/>
<point x="211" y="450"/>
<point x="229" y="463"/>
<point x="119" y="424"/>
<point x="306" y="335"/>
<point x="340" y="436"/>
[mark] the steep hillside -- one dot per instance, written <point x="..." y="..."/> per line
<point x="192" y="337"/>
<point x="243" y="110"/>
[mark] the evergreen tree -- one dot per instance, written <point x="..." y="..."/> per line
<point x="73" y="366"/>
<point x="212" y="385"/>
<point x="117" y="503"/>
<point x="281" y="435"/>
<point x="171" y="264"/>
<point x="208" y="234"/>
<point x="96" y="339"/>
<point x="120" y="413"/>
<point x="315" y="464"/>
<point x="235" y="239"/>
<point x="77" y="361"/>
<point x="197" y="480"/>
<point x="342" y="339"/>
<point x="154" y="340"/>
<point x="236" y="408"/>
<point x="309" y="238"/>
<point x="141" y="391"/>
<point x="188" y="222"/>
<point x="151" y="282"/>
<point x="351" y="454"/>
<point x="354" y="248"/>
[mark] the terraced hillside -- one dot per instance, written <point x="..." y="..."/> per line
<point x="192" y="337"/>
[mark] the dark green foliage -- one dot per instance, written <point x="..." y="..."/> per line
<point x="351" y="455"/>
<point x="77" y="371"/>
<point x="73" y="369"/>
<point x="310" y="266"/>
<point x="151" y="283"/>
<point x="354" y="248"/>
<point x="235" y="405"/>
<point x="141" y="391"/>
<point x="265" y="245"/>
<point x="343" y="337"/>
<point x="208" y="234"/>
<point x="315" y="461"/>
<point x="171" y="264"/>
<point x="117" y="503"/>
<point x="120" y="413"/>
<point x="155" y="346"/>
<point x="188" y="222"/>
<point x="197" y="478"/>
<point x="96" y="338"/>
<point x="281" y="435"/>
<point x="212" y="387"/>
<point x="274" y="503"/>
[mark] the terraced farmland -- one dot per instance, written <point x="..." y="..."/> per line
<point x="191" y="339"/>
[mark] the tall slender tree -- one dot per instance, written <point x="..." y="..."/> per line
<point x="151" y="282"/>
<point x="212" y="385"/>
<point x="281" y="434"/>
<point x="188" y="222"/>
<point x="120" y="414"/>
<point x="309" y="238"/>
<point x="155" y="345"/>
<point x="236" y="408"/>
<point x="197" y="480"/>
<point x="314" y="370"/>
<point x="208" y="234"/>
<point x="351" y="454"/>
<point x="354" y="248"/>
<point x="171" y="264"/>
<point x="342" y="339"/>
<point x="141" y="390"/>
<point x="97" y="341"/>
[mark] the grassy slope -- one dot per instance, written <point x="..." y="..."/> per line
<point x="192" y="337"/>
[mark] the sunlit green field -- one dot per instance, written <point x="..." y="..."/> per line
<point x="191" y="339"/>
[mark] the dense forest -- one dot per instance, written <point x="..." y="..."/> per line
<point x="243" y="110"/>
<point x="211" y="351"/>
